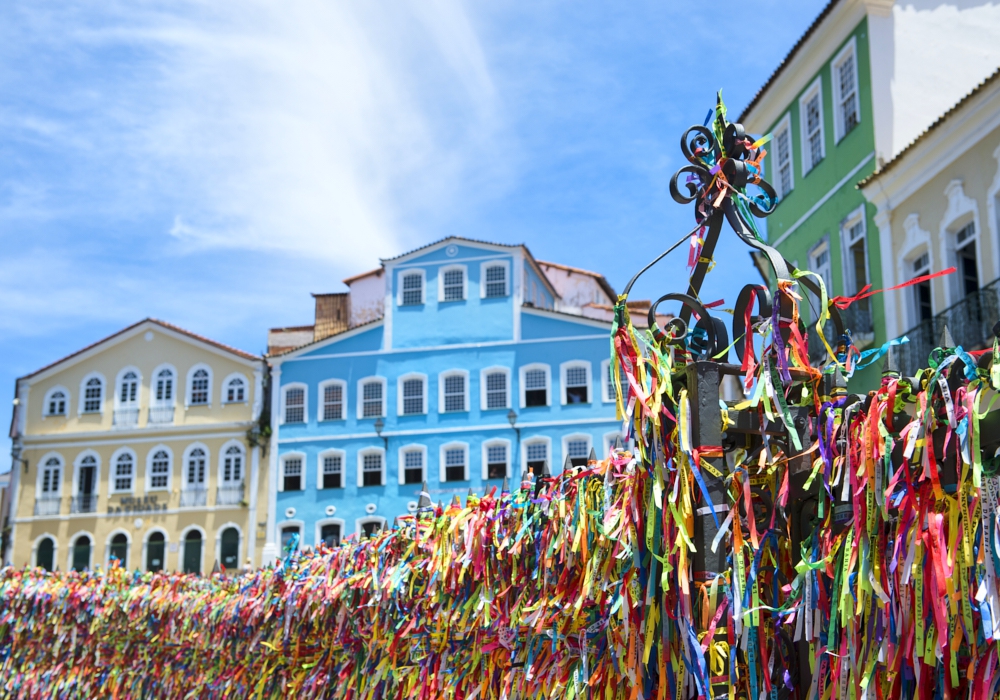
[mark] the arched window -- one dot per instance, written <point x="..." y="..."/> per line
<point x="195" y="491"/>
<point x="494" y="280"/>
<point x="161" y="407"/>
<point x="295" y="404"/>
<point x="333" y="400"/>
<point x="535" y="385"/>
<point x="119" y="550"/>
<point x="291" y="538"/>
<point x="331" y="469"/>
<point x="124" y="472"/>
<point x="159" y="469"/>
<point x="454" y="462"/>
<point x="370" y="526"/>
<point x="292" y="475"/>
<point x="413" y="465"/>
<point x="236" y="390"/>
<point x="371" y="467"/>
<point x="80" y="556"/>
<point x="371" y="397"/>
<point x="200" y="387"/>
<point x="413" y="393"/>
<point x="575" y="382"/>
<point x="576" y="450"/>
<point x="55" y="403"/>
<point x="536" y="454"/>
<point x="494" y="388"/>
<point x="329" y="534"/>
<point x="192" y="552"/>
<point x="51" y="477"/>
<point x="128" y="389"/>
<point x="156" y="551"/>
<point x="85" y="500"/>
<point x="229" y="548"/>
<point x="93" y="395"/>
<point x="45" y="553"/>
<point x="453" y="391"/>
<point x="496" y="459"/>
<point x="452" y="283"/>
<point x="412" y="288"/>
<point x="232" y="465"/>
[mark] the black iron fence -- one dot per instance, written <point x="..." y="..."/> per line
<point x="84" y="503"/>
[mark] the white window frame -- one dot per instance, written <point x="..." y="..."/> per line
<point x="571" y="364"/>
<point x="399" y="393"/>
<point x="524" y="369"/>
<point x="188" y="386"/>
<point x="148" y="485"/>
<point x="441" y="465"/>
<point x="128" y="542"/>
<point x="329" y="521"/>
<point x="55" y="549"/>
<point x="823" y="245"/>
<point x="305" y="402"/>
<point x="607" y="391"/>
<point x="361" y="464"/>
<point x="453" y="373"/>
<point x="113" y="470"/>
<point x="292" y="522"/>
<point x="575" y="436"/>
<point x="401" y="460"/>
<point x="119" y="379"/>
<point x="182" y="544"/>
<point x="56" y="491"/>
<point x="534" y="440"/>
<point x="153" y="378"/>
<point x="505" y="264"/>
<point x="483" y="392"/>
<point x="223" y="396"/>
<point x="321" y="400"/>
<point x="423" y="285"/>
<point x="284" y="457"/>
<point x="331" y="452"/>
<point x="858" y="215"/>
<point x="361" y="397"/>
<point x="83" y="392"/>
<point x="608" y="440"/>
<point x="243" y="466"/>
<point x="72" y="546"/>
<point x="358" y="522"/>
<point x="816" y="88"/>
<point x="465" y="282"/>
<point x="785" y="125"/>
<point x="240" y="558"/>
<point x="48" y="397"/>
<point x="850" y="49"/>
<point x="145" y="547"/>
<point x="187" y="485"/>
<point x="910" y="272"/>
<point x="78" y="465"/>
<point x="493" y="442"/>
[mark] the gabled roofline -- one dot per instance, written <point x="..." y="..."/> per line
<point x="130" y="331"/>
<point x="329" y="340"/>
<point x="377" y="272"/>
<point x="444" y="241"/>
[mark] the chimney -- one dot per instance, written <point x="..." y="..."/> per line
<point x="332" y="314"/>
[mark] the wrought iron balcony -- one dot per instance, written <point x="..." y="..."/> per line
<point x="126" y="417"/>
<point x="48" y="505"/>
<point x="191" y="497"/>
<point x="229" y="495"/>
<point x="970" y="323"/>
<point x="160" y="415"/>
<point x="85" y="503"/>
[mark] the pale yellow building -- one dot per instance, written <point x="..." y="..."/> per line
<point x="144" y="446"/>
<point x="937" y="206"/>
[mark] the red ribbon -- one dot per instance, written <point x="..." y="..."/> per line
<point x="844" y="302"/>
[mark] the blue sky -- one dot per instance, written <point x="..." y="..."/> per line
<point x="212" y="163"/>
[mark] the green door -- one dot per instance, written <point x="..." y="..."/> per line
<point x="45" y="555"/>
<point x="155" y="552"/>
<point x="81" y="553"/>
<point x="192" y="553"/>
<point x="231" y="548"/>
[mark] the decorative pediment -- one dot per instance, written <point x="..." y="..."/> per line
<point x="958" y="203"/>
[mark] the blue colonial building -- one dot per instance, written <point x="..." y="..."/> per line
<point x="457" y="364"/>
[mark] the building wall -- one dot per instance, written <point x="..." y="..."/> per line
<point x="367" y="298"/>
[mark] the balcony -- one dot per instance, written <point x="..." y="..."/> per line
<point x="970" y="323"/>
<point x="194" y="497"/>
<point x="858" y="321"/>
<point x="86" y="503"/>
<point x="229" y="495"/>
<point x="161" y="415"/>
<point x="48" y="505"/>
<point x="126" y="418"/>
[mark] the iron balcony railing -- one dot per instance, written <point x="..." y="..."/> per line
<point x="86" y="503"/>
<point x="160" y="415"/>
<point x="48" y="505"/>
<point x="126" y="417"/>
<point x="229" y="495"/>
<point x="970" y="323"/>
<point x="857" y="320"/>
<point x="191" y="497"/>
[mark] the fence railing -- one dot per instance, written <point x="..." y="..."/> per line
<point x="229" y="495"/>
<point x="48" y="505"/>
<point x="194" y="497"/>
<point x="86" y="503"/>
<point x="126" y="417"/>
<point x="161" y="414"/>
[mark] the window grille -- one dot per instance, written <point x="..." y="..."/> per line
<point x="232" y="465"/>
<point x="496" y="281"/>
<point x="92" y="396"/>
<point x="454" y="393"/>
<point x="413" y="467"/>
<point x="333" y="472"/>
<point x="333" y="402"/>
<point x="293" y="474"/>
<point x="413" y="397"/>
<point x="57" y="404"/>
<point x="295" y="405"/>
<point x="454" y="285"/>
<point x="159" y="470"/>
<point x="848" y="95"/>
<point x="235" y="391"/>
<point x="123" y="473"/>
<point x="496" y="461"/>
<point x="578" y="450"/>
<point x="413" y="289"/>
<point x="496" y="390"/>
<point x="371" y="399"/>
<point x="371" y="469"/>
<point x="199" y="388"/>
<point x="536" y="391"/>
<point x="814" y="131"/>
<point x="576" y="385"/>
<point x="196" y="468"/>
<point x="454" y="464"/>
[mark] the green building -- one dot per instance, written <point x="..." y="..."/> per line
<point x="866" y="79"/>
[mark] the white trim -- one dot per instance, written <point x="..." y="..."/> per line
<point x="305" y="402"/>
<point x="775" y="178"/>
<point x="535" y="440"/>
<point x="399" y="393"/>
<point x="361" y="396"/>
<point x="523" y="370"/>
<point x="483" y="266"/>
<point x="144" y="563"/>
<point x="48" y="396"/>
<point x="401" y="461"/>
<point x="140" y="435"/>
<point x="464" y="373"/>
<point x="240" y="545"/>
<point x="916" y="243"/>
<point x="483" y="392"/>
<point x="284" y="457"/>
<point x="78" y="464"/>
<point x="444" y="243"/>
<point x="187" y="386"/>
<point x="183" y="546"/>
<point x="321" y="400"/>
<point x="185" y="484"/>
<point x="147" y="485"/>
<point x="219" y="481"/>
<point x="128" y="552"/>
<point x="608" y="440"/>
<point x="567" y="317"/>
<point x="962" y="210"/>
<point x="105" y="514"/>
<point x="571" y="364"/>
<point x="331" y="452"/>
<point x="55" y="550"/>
<point x="451" y="267"/>
<point x="858" y="215"/>
<point x="607" y="390"/>
<point x="423" y="286"/>
<point x="815" y="88"/>
<point x="493" y="442"/>
<point x="992" y="214"/>
<point x="113" y="470"/>
<point x="849" y="48"/>
<point x="119" y="378"/>
<point x="72" y="545"/>
<point x="565" y="445"/>
<point x="83" y="392"/>
<point x="153" y="377"/>
<point x="329" y="521"/>
<point x="442" y="472"/>
<point x="361" y="460"/>
<point x="358" y="522"/>
<point x="56" y="491"/>
<point x="223" y="394"/>
<point x="291" y="522"/>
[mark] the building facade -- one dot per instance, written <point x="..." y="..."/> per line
<point x="863" y="81"/>
<point x="936" y="203"/>
<point x="460" y="365"/>
<point x="140" y="447"/>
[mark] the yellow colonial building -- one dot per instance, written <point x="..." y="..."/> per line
<point x="144" y="447"/>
